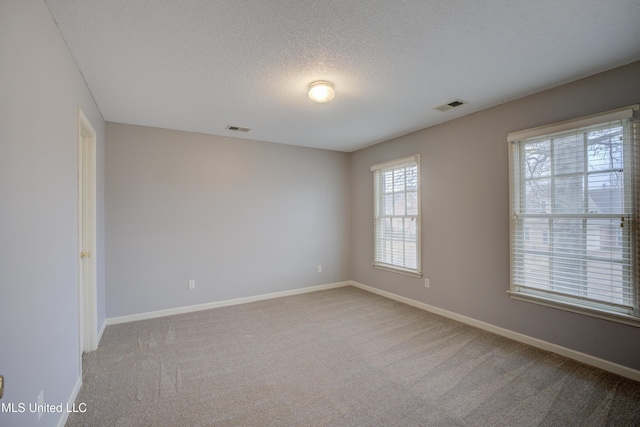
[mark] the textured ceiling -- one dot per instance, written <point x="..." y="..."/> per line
<point x="201" y="65"/>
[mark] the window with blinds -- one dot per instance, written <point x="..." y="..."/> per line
<point x="574" y="201"/>
<point x="397" y="215"/>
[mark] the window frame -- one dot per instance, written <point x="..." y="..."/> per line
<point x="631" y="176"/>
<point x="378" y="262"/>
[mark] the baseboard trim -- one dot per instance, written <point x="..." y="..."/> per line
<point x="534" y="342"/>
<point x="65" y="415"/>
<point x="217" y="304"/>
<point x="101" y="331"/>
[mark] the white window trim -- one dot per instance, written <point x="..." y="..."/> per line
<point x="392" y="164"/>
<point x="594" y="119"/>
<point x="515" y="291"/>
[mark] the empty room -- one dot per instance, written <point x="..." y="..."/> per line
<point x="291" y="213"/>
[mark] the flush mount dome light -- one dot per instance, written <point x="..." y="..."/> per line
<point x="321" y="91"/>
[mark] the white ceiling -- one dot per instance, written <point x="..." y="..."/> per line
<point x="201" y="65"/>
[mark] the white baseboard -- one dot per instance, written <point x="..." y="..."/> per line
<point x="534" y="342"/>
<point x="101" y="331"/>
<point x="216" y="304"/>
<point x="65" y="415"/>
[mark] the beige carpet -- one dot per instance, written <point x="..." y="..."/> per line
<point x="341" y="357"/>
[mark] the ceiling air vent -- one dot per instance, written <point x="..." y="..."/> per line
<point x="238" y="128"/>
<point x="450" y="105"/>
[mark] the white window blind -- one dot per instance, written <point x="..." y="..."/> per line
<point x="397" y="215"/>
<point x="574" y="201"/>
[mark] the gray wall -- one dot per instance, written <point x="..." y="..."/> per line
<point x="239" y="217"/>
<point x="40" y="91"/>
<point x="465" y="216"/>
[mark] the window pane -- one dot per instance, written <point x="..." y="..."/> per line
<point x="537" y="161"/>
<point x="412" y="178"/>
<point x="412" y="203"/>
<point x="537" y="196"/>
<point x="569" y="195"/>
<point x="387" y="180"/>
<point x="384" y="242"/>
<point x="568" y="276"/>
<point x="567" y="238"/>
<point x="536" y="236"/>
<point x="398" y="180"/>
<point x="605" y="149"/>
<point x="534" y="271"/>
<point x="386" y="228"/>
<point x="604" y="239"/>
<point x="399" y="204"/>
<point x="605" y="192"/>
<point x="388" y="251"/>
<point x="397" y="227"/>
<point x="568" y="154"/>
<point x="410" y="230"/>
<point x="387" y="204"/>
<point x="410" y="238"/>
<point x="603" y="282"/>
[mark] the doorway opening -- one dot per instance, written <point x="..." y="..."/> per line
<point x="87" y="305"/>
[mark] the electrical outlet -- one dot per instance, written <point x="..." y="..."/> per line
<point x="427" y="283"/>
<point x="319" y="268"/>
<point x="192" y="284"/>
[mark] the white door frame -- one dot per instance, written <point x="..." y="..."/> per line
<point x="87" y="276"/>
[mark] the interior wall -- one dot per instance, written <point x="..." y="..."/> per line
<point x="465" y="216"/>
<point x="40" y="92"/>
<point x="241" y="218"/>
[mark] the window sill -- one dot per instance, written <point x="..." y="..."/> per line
<point x="400" y="270"/>
<point x="574" y="308"/>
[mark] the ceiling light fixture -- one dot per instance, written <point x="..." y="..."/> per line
<point x="321" y="91"/>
